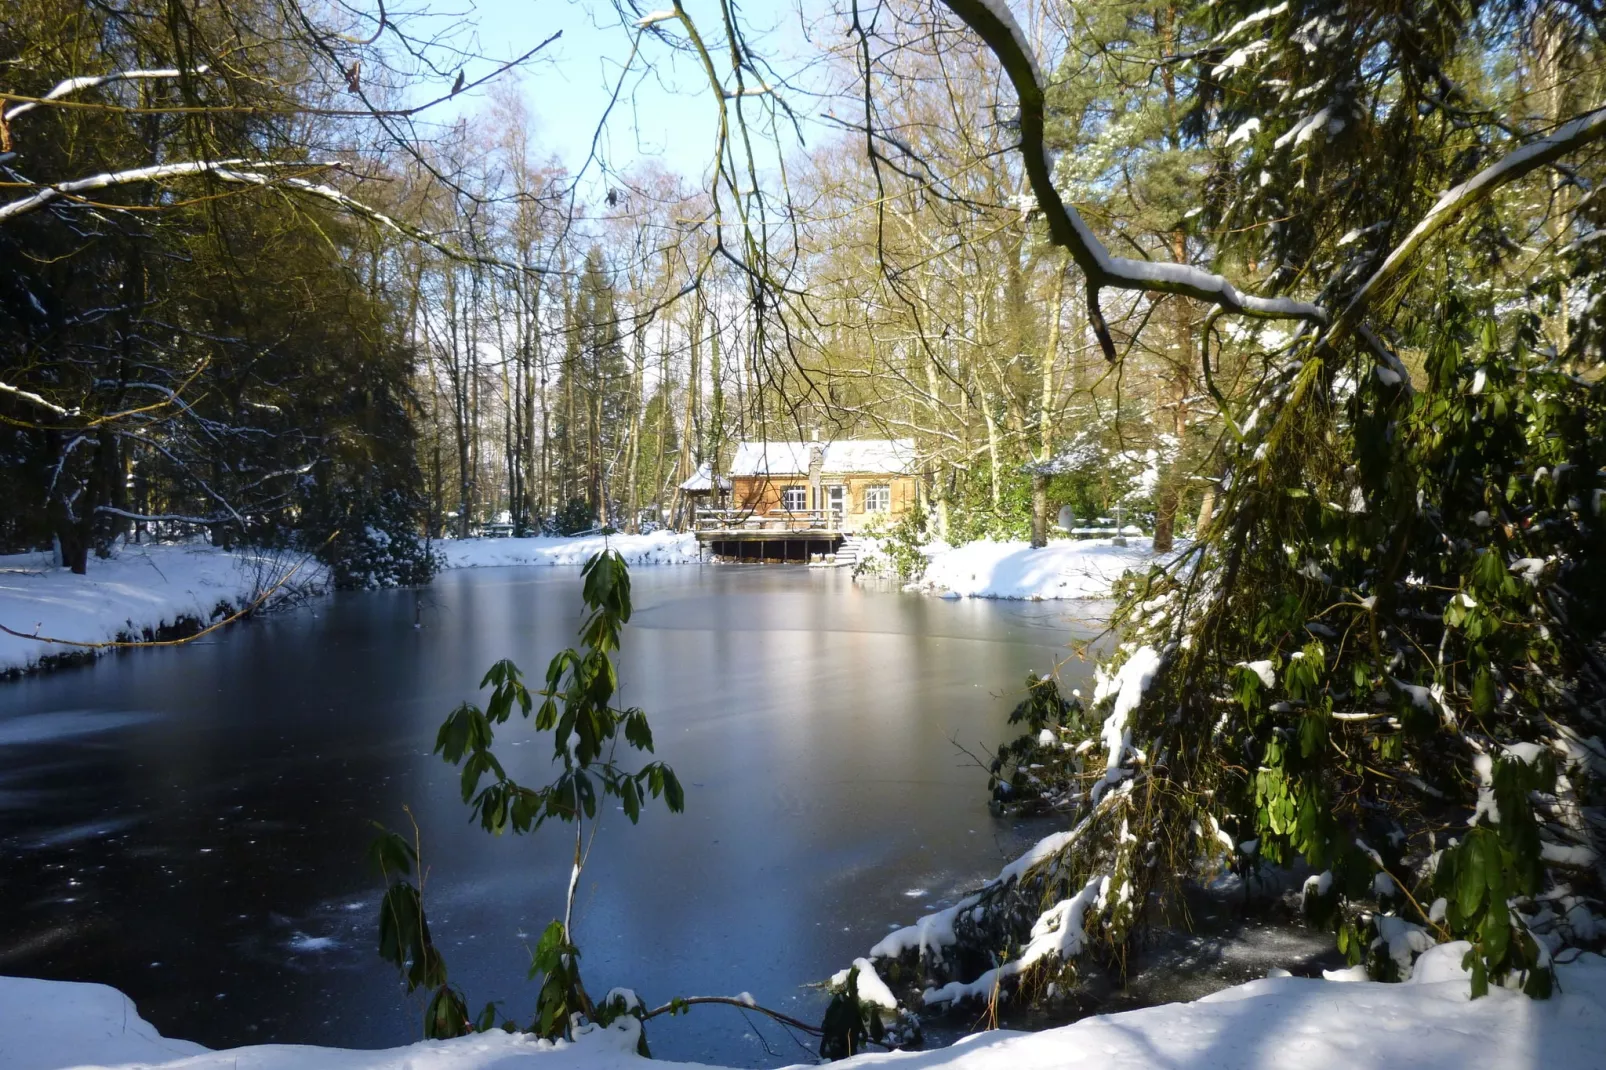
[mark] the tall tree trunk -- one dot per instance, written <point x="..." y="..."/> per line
<point x="1045" y="414"/>
<point x="690" y="423"/>
<point x="995" y="463"/>
<point x="663" y="420"/>
<point x="638" y="353"/>
<point x="716" y="410"/>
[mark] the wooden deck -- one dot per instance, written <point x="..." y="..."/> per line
<point x="779" y="535"/>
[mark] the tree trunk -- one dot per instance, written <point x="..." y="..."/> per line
<point x="1045" y="411"/>
<point x="663" y="422"/>
<point x="1207" y="511"/>
<point x="716" y="410"/>
<point x="689" y="435"/>
<point x="992" y="453"/>
<point x="1039" y="508"/>
<point x="638" y="349"/>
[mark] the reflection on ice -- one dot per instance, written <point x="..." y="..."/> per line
<point x="66" y="724"/>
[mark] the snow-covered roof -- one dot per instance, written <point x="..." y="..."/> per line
<point x="703" y="479"/>
<point x="852" y="456"/>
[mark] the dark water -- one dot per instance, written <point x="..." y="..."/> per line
<point x="189" y="824"/>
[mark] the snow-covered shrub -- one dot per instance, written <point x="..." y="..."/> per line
<point x="899" y="546"/>
<point x="380" y="546"/>
<point x="572" y="519"/>
<point x="1042" y="766"/>
<point x="1384" y="663"/>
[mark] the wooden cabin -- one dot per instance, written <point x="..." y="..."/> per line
<point x="845" y="484"/>
<point x="795" y="500"/>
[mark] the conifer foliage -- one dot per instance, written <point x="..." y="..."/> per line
<point x="1381" y="662"/>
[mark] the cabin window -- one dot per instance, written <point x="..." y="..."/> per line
<point x="877" y="499"/>
<point x="794" y="499"/>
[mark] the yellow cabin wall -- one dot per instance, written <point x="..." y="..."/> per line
<point x="762" y="494"/>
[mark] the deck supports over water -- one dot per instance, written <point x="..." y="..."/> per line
<point x="782" y="546"/>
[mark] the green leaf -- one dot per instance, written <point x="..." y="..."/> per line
<point x="447" y="1015"/>
<point x="631" y="798"/>
<point x="674" y="795"/>
<point x="1495" y="933"/>
<point x="391" y="855"/>
<point x="1471" y="875"/>
<point x="1483" y="692"/>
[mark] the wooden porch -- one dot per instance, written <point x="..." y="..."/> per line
<point x="782" y="535"/>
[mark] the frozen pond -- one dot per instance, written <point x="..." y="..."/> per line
<point x="190" y="824"/>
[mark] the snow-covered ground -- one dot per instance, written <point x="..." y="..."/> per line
<point x="1070" y="568"/>
<point x="657" y="548"/>
<point x="142" y="588"/>
<point x="1274" y="1023"/>
<point x="138" y="588"/>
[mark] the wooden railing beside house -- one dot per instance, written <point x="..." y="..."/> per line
<point x="776" y="520"/>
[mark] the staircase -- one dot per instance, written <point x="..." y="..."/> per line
<point x="851" y="551"/>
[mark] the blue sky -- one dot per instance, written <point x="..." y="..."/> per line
<point x="666" y="113"/>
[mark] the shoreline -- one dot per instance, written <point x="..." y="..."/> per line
<point x="169" y="592"/>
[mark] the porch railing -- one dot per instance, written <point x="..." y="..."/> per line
<point x="778" y="520"/>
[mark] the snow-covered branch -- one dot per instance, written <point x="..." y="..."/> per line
<point x="1452" y="202"/>
<point x="89" y="81"/>
<point x="993" y="22"/>
<point x="358" y="208"/>
<point x="258" y="173"/>
<point x="105" y="180"/>
<point x="174" y="517"/>
<point x="30" y="396"/>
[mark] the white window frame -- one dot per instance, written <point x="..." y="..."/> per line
<point x="882" y="491"/>
<point x="795" y="498"/>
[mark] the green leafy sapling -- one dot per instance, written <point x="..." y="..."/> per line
<point x="577" y="708"/>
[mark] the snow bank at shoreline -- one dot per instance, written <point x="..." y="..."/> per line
<point x="138" y="589"/>
<point x="1269" y="1024"/>
<point x="142" y="590"/>
<point x="657" y="548"/>
<point x="1081" y="568"/>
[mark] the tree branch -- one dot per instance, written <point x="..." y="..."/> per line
<point x="992" y="21"/>
<point x="89" y="81"/>
<point x="1587" y="128"/>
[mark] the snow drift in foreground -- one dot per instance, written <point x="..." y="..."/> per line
<point x="138" y="588"/>
<point x="1083" y="568"/>
<point x="657" y="548"/>
<point x="1276" y="1022"/>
